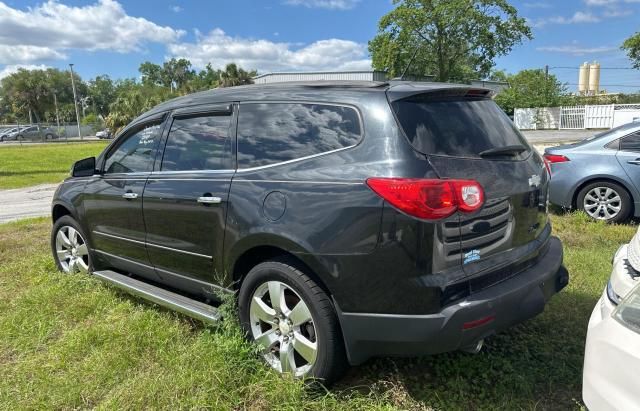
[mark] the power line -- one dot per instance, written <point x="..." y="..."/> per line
<point x="609" y="85"/>
<point x="601" y="68"/>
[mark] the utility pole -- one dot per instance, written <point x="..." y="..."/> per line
<point x="55" y="102"/>
<point x="75" y="101"/>
<point x="546" y="82"/>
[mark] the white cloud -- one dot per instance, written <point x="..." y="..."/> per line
<point x="7" y="70"/>
<point x="599" y="2"/>
<point x="176" y="9"/>
<point x="10" y="54"/>
<point x="617" y="13"/>
<point x="324" y="4"/>
<point x="218" y="48"/>
<point x="47" y="30"/>
<point x="577" y="50"/>
<point x="579" y="17"/>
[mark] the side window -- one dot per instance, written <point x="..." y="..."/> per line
<point x="631" y="142"/>
<point x="270" y="133"/>
<point x="198" y="143"/>
<point x="136" y="153"/>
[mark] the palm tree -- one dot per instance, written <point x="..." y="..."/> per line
<point x="232" y="75"/>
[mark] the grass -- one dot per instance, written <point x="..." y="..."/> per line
<point x="72" y="342"/>
<point x="28" y="165"/>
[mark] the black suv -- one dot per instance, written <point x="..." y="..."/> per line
<point x="351" y="219"/>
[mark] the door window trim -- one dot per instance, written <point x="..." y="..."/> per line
<point x="129" y="131"/>
<point x="229" y="109"/>
<point x="294" y="160"/>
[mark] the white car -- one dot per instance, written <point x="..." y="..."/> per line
<point x="103" y="134"/>
<point x="611" y="376"/>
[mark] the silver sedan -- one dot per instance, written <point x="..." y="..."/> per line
<point x="600" y="175"/>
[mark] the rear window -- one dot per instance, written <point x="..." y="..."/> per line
<point x="454" y="126"/>
<point x="270" y="133"/>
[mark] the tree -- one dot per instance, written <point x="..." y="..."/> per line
<point x="232" y="75"/>
<point x="29" y="94"/>
<point x="531" y="88"/>
<point x="632" y="47"/>
<point x="451" y="39"/>
<point x="102" y="92"/>
<point x="152" y="74"/>
<point x="176" y="73"/>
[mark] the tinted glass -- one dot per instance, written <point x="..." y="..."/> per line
<point x="273" y="133"/>
<point x="631" y="142"/>
<point x="136" y="153"/>
<point x="456" y="127"/>
<point x="198" y="143"/>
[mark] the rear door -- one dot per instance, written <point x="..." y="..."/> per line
<point x="629" y="157"/>
<point x="185" y="199"/>
<point x="466" y="136"/>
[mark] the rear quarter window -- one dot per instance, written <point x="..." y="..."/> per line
<point x="271" y="133"/>
<point x="460" y="127"/>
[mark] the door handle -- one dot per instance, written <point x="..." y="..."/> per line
<point x="209" y="200"/>
<point x="635" y="162"/>
<point x="129" y="195"/>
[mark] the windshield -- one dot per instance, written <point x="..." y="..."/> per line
<point x="461" y="127"/>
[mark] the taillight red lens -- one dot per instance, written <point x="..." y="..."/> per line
<point x="429" y="199"/>
<point x="555" y="158"/>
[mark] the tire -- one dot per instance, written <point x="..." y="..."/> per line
<point x="71" y="252"/>
<point x="49" y="137"/>
<point x="604" y="200"/>
<point x="322" y="330"/>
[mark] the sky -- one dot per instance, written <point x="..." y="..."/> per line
<point x="114" y="37"/>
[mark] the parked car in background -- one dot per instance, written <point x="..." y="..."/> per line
<point x="9" y="134"/>
<point x="351" y="219"/>
<point x="36" y="133"/>
<point x="612" y="352"/>
<point x="600" y="175"/>
<point x="104" y="134"/>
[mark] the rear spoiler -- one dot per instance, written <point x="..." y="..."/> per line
<point x="405" y="90"/>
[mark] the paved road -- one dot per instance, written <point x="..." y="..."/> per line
<point x="26" y="202"/>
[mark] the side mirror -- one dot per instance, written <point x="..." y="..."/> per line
<point x="84" y="168"/>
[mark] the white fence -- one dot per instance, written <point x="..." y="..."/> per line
<point x="576" y="117"/>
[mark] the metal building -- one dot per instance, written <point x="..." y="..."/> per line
<point x="320" y="75"/>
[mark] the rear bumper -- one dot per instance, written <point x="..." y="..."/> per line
<point x="459" y="325"/>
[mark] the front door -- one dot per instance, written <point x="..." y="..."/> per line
<point x="185" y="199"/>
<point x="113" y="201"/>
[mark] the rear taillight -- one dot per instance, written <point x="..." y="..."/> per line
<point x="429" y="199"/>
<point x="553" y="158"/>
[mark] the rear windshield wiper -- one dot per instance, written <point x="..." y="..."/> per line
<point x="503" y="151"/>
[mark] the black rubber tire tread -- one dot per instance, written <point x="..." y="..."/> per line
<point x="626" y="203"/>
<point x="331" y="362"/>
<point x="70" y="221"/>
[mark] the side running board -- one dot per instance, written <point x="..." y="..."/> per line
<point x="160" y="296"/>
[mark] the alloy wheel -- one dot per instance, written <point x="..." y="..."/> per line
<point x="282" y="324"/>
<point x="602" y="203"/>
<point x="72" y="251"/>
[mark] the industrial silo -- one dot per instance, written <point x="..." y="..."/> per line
<point x="583" y="78"/>
<point x="594" y="77"/>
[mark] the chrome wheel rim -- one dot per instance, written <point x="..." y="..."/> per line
<point x="71" y="250"/>
<point x="602" y="203"/>
<point x="282" y="325"/>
